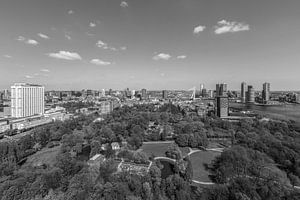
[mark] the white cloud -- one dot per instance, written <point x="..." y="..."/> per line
<point x="162" y="74"/>
<point x="45" y="70"/>
<point x="181" y="57"/>
<point x="230" y="27"/>
<point x="100" y="62"/>
<point x="123" y="48"/>
<point x="92" y="24"/>
<point x="65" y="55"/>
<point x="7" y="56"/>
<point x="70" y="12"/>
<point x="32" y="42"/>
<point x="124" y="4"/>
<point x="105" y="46"/>
<point x="68" y="37"/>
<point x="21" y="38"/>
<point x="28" y="76"/>
<point x="161" y="56"/>
<point x="101" y="44"/>
<point x="43" y="36"/>
<point x="199" y="29"/>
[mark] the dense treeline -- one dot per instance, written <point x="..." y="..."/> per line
<point x="262" y="163"/>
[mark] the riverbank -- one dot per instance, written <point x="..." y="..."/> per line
<point x="282" y="112"/>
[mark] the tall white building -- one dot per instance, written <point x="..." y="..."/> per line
<point x="27" y="100"/>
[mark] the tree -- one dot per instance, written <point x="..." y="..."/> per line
<point x="107" y="168"/>
<point x="135" y="141"/>
<point x="174" y="152"/>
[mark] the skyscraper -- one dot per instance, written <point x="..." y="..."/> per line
<point x="250" y="95"/>
<point x="144" y="94"/>
<point x="243" y="92"/>
<point x="222" y="106"/>
<point x="221" y="89"/>
<point x="27" y="100"/>
<point x="164" y="94"/>
<point x="266" y="92"/>
<point x="201" y="89"/>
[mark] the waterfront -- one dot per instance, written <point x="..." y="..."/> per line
<point x="285" y="111"/>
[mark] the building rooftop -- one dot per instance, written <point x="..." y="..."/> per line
<point x="27" y="85"/>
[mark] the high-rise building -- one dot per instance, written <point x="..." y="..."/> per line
<point x="222" y="106"/>
<point x="6" y="94"/>
<point x="204" y="92"/>
<point x="27" y="100"/>
<point x="103" y="93"/>
<point x="250" y="95"/>
<point x="266" y="92"/>
<point x="221" y="89"/>
<point x="201" y="88"/>
<point x="144" y="94"/>
<point x="243" y="92"/>
<point x="164" y="94"/>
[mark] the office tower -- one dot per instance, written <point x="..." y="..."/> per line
<point x="127" y="93"/>
<point x="1" y="97"/>
<point x="132" y="93"/>
<point x="27" y="100"/>
<point x="250" y="95"/>
<point x="243" y="92"/>
<point x="110" y="92"/>
<point x="221" y="89"/>
<point x="210" y="94"/>
<point x="222" y="106"/>
<point x="144" y="94"/>
<point x="164" y="94"/>
<point x="103" y="93"/>
<point x="6" y="94"/>
<point x="201" y="88"/>
<point x="204" y="92"/>
<point x="266" y="92"/>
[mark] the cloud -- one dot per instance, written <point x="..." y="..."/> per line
<point x="199" y="29"/>
<point x="123" y="48"/>
<point x="32" y="42"/>
<point x="68" y="37"/>
<point x="124" y="4"/>
<point x="28" y="76"/>
<point x="101" y="44"/>
<point x="7" y="56"/>
<point x="105" y="46"/>
<point x="162" y="74"/>
<point x="21" y="38"/>
<point x="28" y="41"/>
<point x="45" y="70"/>
<point x="66" y="55"/>
<point x="43" y="36"/>
<point x="92" y="24"/>
<point x="100" y="62"/>
<point x="230" y="27"/>
<point x="70" y="12"/>
<point x="181" y="57"/>
<point x="161" y="56"/>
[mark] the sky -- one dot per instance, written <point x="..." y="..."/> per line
<point x="152" y="44"/>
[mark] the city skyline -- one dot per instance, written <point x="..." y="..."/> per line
<point x="73" y="45"/>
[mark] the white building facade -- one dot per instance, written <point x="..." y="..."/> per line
<point x="27" y="100"/>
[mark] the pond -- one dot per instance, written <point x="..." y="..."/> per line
<point x="168" y="168"/>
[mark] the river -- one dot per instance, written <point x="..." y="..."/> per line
<point x="286" y="111"/>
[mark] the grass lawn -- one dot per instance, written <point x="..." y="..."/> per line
<point x="45" y="156"/>
<point x="199" y="159"/>
<point x="159" y="149"/>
